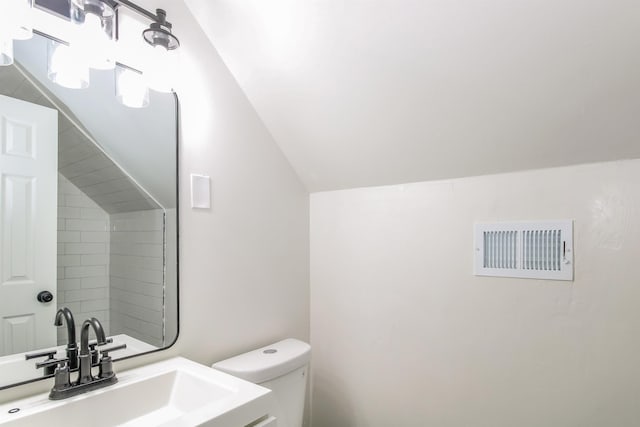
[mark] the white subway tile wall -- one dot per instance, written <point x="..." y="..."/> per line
<point x="110" y="266"/>
<point x="83" y="257"/>
<point x="136" y="275"/>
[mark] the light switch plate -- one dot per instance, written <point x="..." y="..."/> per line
<point x="200" y="191"/>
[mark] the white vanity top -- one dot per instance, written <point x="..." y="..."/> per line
<point x="174" y="392"/>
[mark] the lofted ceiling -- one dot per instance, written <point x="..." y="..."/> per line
<point x="374" y="92"/>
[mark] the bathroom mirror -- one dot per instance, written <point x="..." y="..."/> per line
<point x="88" y="213"/>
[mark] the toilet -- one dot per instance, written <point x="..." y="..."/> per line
<point x="282" y="368"/>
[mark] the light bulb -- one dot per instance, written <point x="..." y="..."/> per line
<point x="97" y="47"/>
<point x="6" y="51"/>
<point x="131" y="89"/>
<point x="162" y="69"/>
<point x="21" y="17"/>
<point x="65" y="67"/>
<point x="15" y="19"/>
<point x="93" y="34"/>
<point x="25" y="24"/>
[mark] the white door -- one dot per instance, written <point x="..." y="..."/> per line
<point x="28" y="224"/>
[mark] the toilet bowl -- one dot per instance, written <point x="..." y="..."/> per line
<point x="281" y="367"/>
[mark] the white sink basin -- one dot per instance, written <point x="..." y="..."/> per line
<point x="175" y="392"/>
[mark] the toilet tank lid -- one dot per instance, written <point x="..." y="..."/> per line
<point x="267" y="363"/>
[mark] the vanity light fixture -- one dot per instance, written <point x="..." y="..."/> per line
<point x="91" y="43"/>
<point x="96" y="39"/>
<point x="159" y="33"/>
<point x="162" y="64"/>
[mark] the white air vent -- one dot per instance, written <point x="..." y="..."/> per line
<point x="536" y="250"/>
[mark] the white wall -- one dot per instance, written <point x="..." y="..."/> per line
<point x="244" y="266"/>
<point x="83" y="257"/>
<point x="405" y="335"/>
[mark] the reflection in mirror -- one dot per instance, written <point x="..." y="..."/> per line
<point x="87" y="213"/>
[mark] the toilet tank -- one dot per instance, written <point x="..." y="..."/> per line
<point x="281" y="367"/>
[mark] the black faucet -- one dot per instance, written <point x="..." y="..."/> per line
<point x="72" y="345"/>
<point x="84" y="375"/>
<point x="63" y="386"/>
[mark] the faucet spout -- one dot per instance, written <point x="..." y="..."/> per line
<point x="84" y="334"/>
<point x="72" y="345"/>
<point x="85" y="354"/>
<point x="65" y="313"/>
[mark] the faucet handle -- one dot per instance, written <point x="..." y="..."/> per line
<point x="61" y="371"/>
<point x="105" y="352"/>
<point x="45" y="353"/>
<point x="106" y="364"/>
<point x="93" y="352"/>
<point x="94" y="343"/>
<point x="52" y="363"/>
<point x="49" y="354"/>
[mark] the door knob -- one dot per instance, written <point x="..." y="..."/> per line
<point x="45" y="296"/>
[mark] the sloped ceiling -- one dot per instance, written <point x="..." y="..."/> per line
<point x="372" y="92"/>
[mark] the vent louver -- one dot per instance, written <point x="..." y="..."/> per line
<point x="536" y="250"/>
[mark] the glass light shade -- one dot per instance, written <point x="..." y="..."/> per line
<point x="24" y="20"/>
<point x="16" y="20"/>
<point x="65" y="67"/>
<point x="131" y="88"/>
<point x="6" y="51"/>
<point x="93" y="34"/>
<point x="162" y="69"/>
